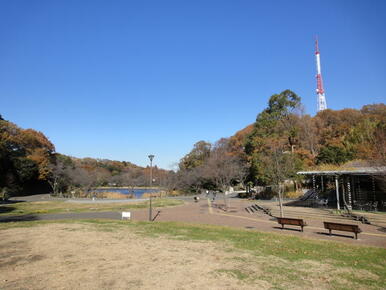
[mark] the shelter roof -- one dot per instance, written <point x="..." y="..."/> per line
<point x="352" y="171"/>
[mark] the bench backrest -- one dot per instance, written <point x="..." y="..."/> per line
<point x="290" y="221"/>
<point x="342" y="227"/>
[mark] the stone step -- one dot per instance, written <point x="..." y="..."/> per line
<point x="249" y="210"/>
<point x="320" y="213"/>
<point x="303" y="213"/>
<point x="276" y="212"/>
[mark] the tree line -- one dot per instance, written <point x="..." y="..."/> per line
<point x="29" y="164"/>
<point x="284" y="140"/>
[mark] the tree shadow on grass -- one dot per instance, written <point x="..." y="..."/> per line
<point x="336" y="235"/>
<point x="6" y="209"/>
<point x="11" y="201"/>
<point x="288" y="229"/>
<point x="6" y="206"/>
<point x="19" y="218"/>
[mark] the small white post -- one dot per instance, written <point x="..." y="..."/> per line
<point x="126" y="214"/>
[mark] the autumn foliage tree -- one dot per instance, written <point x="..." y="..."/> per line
<point x="284" y="140"/>
<point x="25" y="158"/>
<point x="276" y="129"/>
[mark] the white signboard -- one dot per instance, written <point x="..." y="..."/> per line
<point x="126" y="214"/>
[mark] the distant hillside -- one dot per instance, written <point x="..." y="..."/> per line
<point x="284" y="140"/>
<point x="29" y="164"/>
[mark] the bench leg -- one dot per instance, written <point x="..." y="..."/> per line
<point x="282" y="226"/>
<point x="329" y="231"/>
<point x="302" y="228"/>
<point x="356" y="236"/>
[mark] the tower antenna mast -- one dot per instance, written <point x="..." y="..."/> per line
<point x="322" y="105"/>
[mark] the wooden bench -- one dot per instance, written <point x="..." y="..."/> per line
<point x="342" y="227"/>
<point x="290" y="221"/>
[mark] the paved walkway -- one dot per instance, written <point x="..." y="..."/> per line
<point x="206" y="212"/>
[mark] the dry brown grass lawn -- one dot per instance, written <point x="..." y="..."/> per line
<point x="113" y="256"/>
<point x="76" y="256"/>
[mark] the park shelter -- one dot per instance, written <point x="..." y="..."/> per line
<point x="357" y="188"/>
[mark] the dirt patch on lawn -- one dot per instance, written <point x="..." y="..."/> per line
<point x="74" y="256"/>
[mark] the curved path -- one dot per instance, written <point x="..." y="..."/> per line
<point x="207" y="212"/>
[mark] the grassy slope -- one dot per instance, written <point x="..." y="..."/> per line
<point x="285" y="260"/>
<point x="42" y="207"/>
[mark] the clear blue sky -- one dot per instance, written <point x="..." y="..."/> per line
<point x="123" y="79"/>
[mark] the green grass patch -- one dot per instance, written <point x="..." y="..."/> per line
<point x="289" y="248"/>
<point x="45" y="207"/>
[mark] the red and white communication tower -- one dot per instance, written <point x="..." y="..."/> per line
<point x="322" y="105"/>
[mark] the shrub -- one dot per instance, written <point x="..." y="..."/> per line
<point x="292" y="194"/>
<point x="4" y="194"/>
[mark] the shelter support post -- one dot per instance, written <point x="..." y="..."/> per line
<point x="313" y="182"/>
<point x="349" y="193"/>
<point x="373" y="187"/>
<point x="337" y="191"/>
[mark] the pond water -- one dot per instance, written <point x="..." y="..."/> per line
<point x="138" y="192"/>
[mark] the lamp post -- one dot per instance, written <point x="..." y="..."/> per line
<point x="151" y="157"/>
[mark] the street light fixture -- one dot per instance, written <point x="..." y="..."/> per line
<point x="151" y="157"/>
